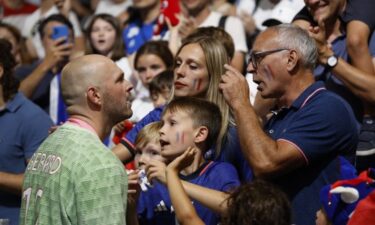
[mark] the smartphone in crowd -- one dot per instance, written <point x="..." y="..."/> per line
<point x="60" y="31"/>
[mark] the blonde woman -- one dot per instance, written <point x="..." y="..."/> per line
<point x="199" y="64"/>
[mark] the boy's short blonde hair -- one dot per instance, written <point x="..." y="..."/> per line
<point x="148" y="134"/>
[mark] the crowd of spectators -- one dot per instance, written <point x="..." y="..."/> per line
<point x="293" y="80"/>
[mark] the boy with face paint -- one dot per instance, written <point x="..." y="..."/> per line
<point x="186" y="122"/>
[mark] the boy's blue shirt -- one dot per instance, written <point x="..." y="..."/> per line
<point x="155" y="207"/>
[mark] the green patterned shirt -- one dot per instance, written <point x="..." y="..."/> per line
<point x="74" y="179"/>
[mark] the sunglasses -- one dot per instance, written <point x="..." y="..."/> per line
<point x="256" y="57"/>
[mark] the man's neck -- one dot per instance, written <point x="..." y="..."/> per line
<point x="201" y="16"/>
<point x="95" y="124"/>
<point x="296" y="88"/>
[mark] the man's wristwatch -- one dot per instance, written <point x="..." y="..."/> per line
<point x="332" y="61"/>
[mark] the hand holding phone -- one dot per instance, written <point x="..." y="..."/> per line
<point x="60" y="49"/>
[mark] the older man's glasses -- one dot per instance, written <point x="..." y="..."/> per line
<point x="256" y="57"/>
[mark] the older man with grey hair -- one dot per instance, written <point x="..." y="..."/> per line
<point x="300" y="148"/>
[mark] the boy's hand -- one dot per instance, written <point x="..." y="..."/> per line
<point x="156" y="169"/>
<point x="133" y="188"/>
<point x="183" y="160"/>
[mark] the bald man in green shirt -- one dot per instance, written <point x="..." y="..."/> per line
<point x="73" y="178"/>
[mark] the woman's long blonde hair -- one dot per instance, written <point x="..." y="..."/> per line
<point x="216" y="56"/>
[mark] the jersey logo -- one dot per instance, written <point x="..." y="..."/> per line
<point x="161" y="207"/>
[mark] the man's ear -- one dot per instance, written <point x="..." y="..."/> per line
<point x="292" y="60"/>
<point x="201" y="134"/>
<point x="94" y="96"/>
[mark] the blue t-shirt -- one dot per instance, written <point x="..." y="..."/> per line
<point x="155" y="207"/>
<point x="230" y="152"/>
<point x="137" y="34"/>
<point x="23" y="128"/>
<point x="323" y="127"/>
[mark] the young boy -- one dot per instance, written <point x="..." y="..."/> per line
<point x="147" y="145"/>
<point x="187" y="122"/>
<point x="160" y="88"/>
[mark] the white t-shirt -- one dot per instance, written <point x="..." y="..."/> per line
<point x="31" y="27"/>
<point x="233" y="26"/>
